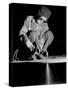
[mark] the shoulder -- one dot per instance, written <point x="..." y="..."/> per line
<point x="29" y="17"/>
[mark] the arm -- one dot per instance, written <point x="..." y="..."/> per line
<point x="23" y="32"/>
<point x="26" y="27"/>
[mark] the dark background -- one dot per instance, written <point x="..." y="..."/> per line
<point x="25" y="74"/>
<point x="57" y="24"/>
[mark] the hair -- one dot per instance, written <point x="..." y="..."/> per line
<point x="44" y="11"/>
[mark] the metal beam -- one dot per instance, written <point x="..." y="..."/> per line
<point x="49" y="60"/>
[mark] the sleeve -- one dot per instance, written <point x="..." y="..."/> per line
<point x="29" y="22"/>
<point x="23" y="30"/>
<point x="27" y="25"/>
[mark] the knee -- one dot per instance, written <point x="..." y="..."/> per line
<point x="50" y="34"/>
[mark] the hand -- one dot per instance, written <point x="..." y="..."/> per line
<point x="30" y="45"/>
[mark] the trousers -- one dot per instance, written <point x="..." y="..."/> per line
<point x="43" y="42"/>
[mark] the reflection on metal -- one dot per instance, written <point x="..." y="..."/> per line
<point x="48" y="75"/>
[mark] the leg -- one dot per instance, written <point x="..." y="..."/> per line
<point x="48" y="39"/>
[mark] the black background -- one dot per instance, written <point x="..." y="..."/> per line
<point x="24" y="74"/>
<point x="57" y="24"/>
<point x="21" y="74"/>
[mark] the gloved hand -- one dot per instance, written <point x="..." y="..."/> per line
<point x="30" y="45"/>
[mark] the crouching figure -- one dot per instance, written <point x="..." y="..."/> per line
<point x="37" y="34"/>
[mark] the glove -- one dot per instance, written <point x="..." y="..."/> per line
<point x="30" y="45"/>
